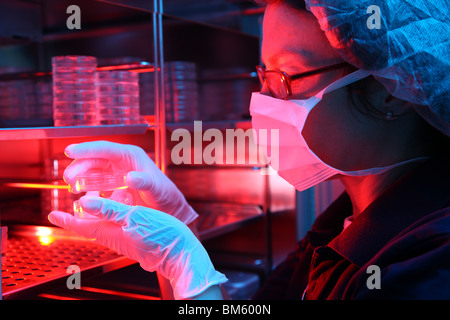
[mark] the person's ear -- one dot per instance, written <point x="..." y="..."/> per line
<point x="388" y="105"/>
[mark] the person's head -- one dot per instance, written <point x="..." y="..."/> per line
<point x="352" y="127"/>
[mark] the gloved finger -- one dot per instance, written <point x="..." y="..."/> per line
<point x="141" y="181"/>
<point x="81" y="166"/>
<point x="107" y="209"/>
<point x="86" y="228"/>
<point x="122" y="195"/>
<point x="96" y="149"/>
<point x="104" y="232"/>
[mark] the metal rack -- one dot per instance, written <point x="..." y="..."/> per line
<point x="39" y="257"/>
<point x="216" y="218"/>
<point x="69" y="132"/>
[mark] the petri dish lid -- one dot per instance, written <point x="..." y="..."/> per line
<point x="119" y="111"/>
<point x="73" y="60"/>
<point x="74" y="84"/>
<point x="100" y="181"/>
<point x="114" y="76"/>
<point x="79" y="213"/>
<point x="75" y="95"/>
<point x="75" y="106"/>
<point x="88" y="117"/>
<point x="121" y="121"/>
<point x="118" y="99"/>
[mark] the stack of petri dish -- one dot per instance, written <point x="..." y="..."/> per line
<point x="13" y="96"/>
<point x="74" y="90"/>
<point x="44" y="99"/>
<point x="17" y="100"/>
<point x="25" y="102"/>
<point x="181" y="92"/>
<point x="9" y="100"/>
<point x="180" y="88"/>
<point x="147" y="93"/>
<point x="118" y="97"/>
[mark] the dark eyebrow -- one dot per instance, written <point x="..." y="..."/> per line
<point x="304" y="53"/>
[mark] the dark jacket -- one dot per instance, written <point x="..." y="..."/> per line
<point x="404" y="234"/>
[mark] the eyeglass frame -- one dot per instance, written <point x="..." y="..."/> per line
<point x="287" y="79"/>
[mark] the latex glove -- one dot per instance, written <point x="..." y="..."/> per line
<point x="152" y="187"/>
<point x="158" y="241"/>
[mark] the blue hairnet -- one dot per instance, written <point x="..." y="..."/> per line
<point x="408" y="52"/>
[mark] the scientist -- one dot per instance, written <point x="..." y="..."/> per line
<point x="359" y="92"/>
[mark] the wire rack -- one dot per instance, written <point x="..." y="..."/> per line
<point x="37" y="256"/>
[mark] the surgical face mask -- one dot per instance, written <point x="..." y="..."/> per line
<point x="297" y="163"/>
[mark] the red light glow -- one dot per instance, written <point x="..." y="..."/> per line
<point x="36" y="185"/>
<point x="45" y="241"/>
<point x="120" y="293"/>
<point x="134" y="67"/>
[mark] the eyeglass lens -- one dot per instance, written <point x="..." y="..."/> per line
<point x="276" y="82"/>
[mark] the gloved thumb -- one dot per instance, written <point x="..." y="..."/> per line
<point x="107" y="209"/>
<point x="103" y="232"/>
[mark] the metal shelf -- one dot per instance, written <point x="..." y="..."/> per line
<point x="138" y="67"/>
<point x="219" y="218"/>
<point x="211" y="124"/>
<point x="70" y="132"/>
<point x="33" y="133"/>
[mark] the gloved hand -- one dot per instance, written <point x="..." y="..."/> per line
<point x="158" y="241"/>
<point x="150" y="187"/>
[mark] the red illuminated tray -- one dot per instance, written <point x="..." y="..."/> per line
<point x="37" y="257"/>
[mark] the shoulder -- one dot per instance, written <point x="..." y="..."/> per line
<point x="415" y="264"/>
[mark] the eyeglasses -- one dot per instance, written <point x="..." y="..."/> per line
<point x="279" y="82"/>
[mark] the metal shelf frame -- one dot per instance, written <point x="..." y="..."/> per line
<point x="159" y="126"/>
<point x="70" y="132"/>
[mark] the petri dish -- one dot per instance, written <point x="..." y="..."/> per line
<point x="81" y="116"/>
<point x="114" y="76"/>
<point x="118" y="88"/>
<point x="119" y="112"/>
<point x="64" y="119"/>
<point x="69" y="72"/>
<point x="75" y="106"/>
<point x="75" y="95"/>
<point x="79" y="213"/>
<point x="120" y="121"/>
<point x="118" y="100"/>
<point x="100" y="181"/>
<point x="74" y="84"/>
<point x="74" y="61"/>
<point x="73" y="123"/>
